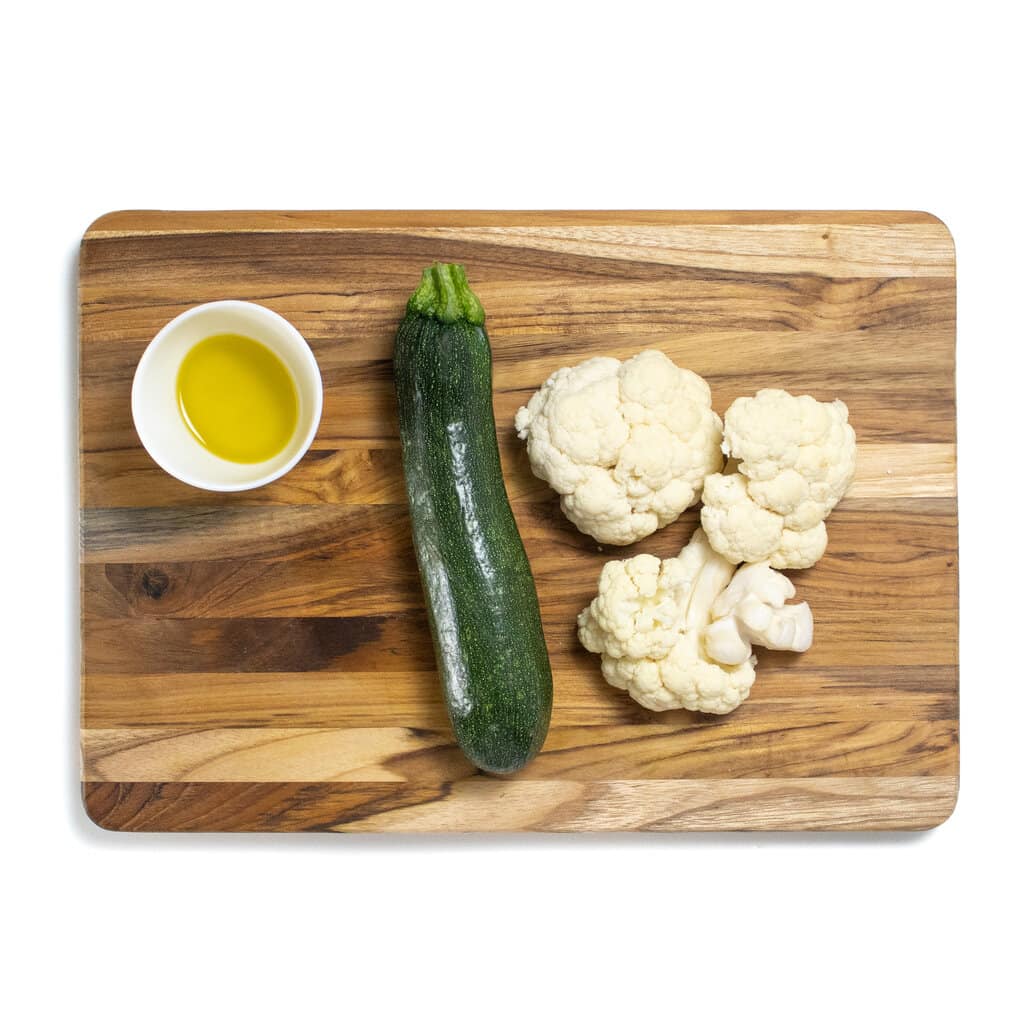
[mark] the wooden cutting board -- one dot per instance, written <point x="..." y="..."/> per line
<point x="261" y="661"/>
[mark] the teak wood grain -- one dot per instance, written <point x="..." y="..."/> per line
<point x="261" y="661"/>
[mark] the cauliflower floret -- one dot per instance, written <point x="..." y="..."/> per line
<point x="743" y="531"/>
<point x="793" y="459"/>
<point x="626" y="445"/>
<point x="638" y="611"/>
<point x="684" y="679"/>
<point x="652" y="620"/>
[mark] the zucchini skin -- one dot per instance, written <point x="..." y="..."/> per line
<point x="480" y="595"/>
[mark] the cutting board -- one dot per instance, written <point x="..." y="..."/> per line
<point x="261" y="661"/>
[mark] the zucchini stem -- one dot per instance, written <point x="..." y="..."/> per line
<point x="444" y="294"/>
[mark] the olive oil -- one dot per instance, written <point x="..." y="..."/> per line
<point x="237" y="398"/>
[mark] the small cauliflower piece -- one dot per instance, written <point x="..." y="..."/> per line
<point x="626" y="444"/>
<point x="753" y="610"/>
<point x="652" y="619"/>
<point x="792" y="459"/>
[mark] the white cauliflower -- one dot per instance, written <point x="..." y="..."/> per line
<point x="753" y="610"/>
<point x="656" y="622"/>
<point x="627" y="445"/>
<point x="793" y="459"/>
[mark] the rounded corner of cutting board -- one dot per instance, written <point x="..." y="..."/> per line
<point x="945" y="809"/>
<point x="95" y="805"/>
<point x="112" y="220"/>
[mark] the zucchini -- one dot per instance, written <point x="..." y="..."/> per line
<point x="480" y="596"/>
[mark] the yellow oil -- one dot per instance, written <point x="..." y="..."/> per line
<point x="237" y="398"/>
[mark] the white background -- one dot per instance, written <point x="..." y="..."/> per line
<point x="298" y="105"/>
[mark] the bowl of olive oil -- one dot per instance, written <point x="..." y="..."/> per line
<point x="227" y="396"/>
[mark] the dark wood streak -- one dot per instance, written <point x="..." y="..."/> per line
<point x="244" y="807"/>
<point x="246" y="645"/>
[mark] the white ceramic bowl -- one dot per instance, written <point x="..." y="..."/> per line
<point x="155" y="406"/>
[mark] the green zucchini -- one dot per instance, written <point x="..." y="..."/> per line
<point x="480" y="596"/>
